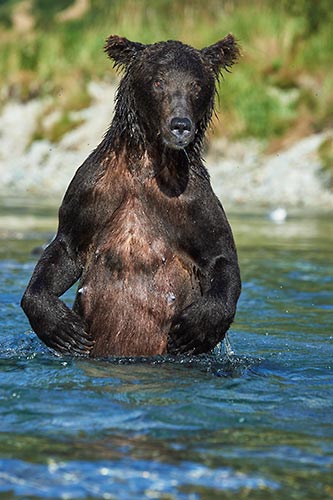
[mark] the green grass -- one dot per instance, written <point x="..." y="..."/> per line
<point x="326" y="157"/>
<point x="282" y="82"/>
<point x="64" y="123"/>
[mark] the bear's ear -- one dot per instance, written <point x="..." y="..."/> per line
<point x="121" y="50"/>
<point x="222" y="54"/>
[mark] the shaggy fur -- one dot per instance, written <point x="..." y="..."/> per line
<point x="140" y="226"/>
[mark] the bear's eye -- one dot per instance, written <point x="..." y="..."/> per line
<point x="158" y="85"/>
<point x="195" y="86"/>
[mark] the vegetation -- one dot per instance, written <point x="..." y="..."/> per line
<point x="281" y="89"/>
<point x="326" y="157"/>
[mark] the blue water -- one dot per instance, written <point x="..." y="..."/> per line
<point x="255" y="424"/>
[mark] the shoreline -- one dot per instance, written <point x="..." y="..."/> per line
<point x="243" y="176"/>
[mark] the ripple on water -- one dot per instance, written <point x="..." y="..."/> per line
<point x="255" y="422"/>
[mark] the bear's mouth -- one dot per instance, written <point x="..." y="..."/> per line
<point x="176" y="143"/>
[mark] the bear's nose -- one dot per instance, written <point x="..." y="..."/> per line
<point x="181" y="127"/>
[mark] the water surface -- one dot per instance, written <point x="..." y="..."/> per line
<point x="254" y="424"/>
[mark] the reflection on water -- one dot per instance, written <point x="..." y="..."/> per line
<point x="256" y="423"/>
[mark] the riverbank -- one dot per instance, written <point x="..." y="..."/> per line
<point x="243" y="173"/>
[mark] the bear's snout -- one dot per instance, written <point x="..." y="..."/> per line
<point x="181" y="132"/>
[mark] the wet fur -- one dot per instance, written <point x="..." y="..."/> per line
<point x="140" y="226"/>
<point x="133" y="272"/>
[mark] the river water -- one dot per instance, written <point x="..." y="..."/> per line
<point x="253" y="424"/>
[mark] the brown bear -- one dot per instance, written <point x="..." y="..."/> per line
<point x="140" y="226"/>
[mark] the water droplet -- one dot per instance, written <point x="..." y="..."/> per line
<point x="171" y="297"/>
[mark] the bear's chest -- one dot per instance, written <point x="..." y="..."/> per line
<point x="135" y="238"/>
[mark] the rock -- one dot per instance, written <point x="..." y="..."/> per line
<point x="244" y="176"/>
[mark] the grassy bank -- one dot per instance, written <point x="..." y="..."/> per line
<point x="281" y="89"/>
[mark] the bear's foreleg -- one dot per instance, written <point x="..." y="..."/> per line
<point x="204" y="323"/>
<point x="55" y="324"/>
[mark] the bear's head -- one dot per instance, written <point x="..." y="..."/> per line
<point x="167" y="92"/>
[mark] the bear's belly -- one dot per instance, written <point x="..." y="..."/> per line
<point x="130" y="315"/>
<point x="133" y="287"/>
